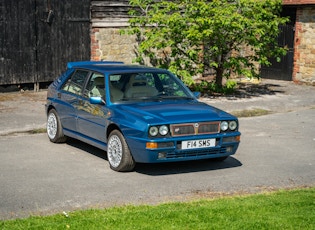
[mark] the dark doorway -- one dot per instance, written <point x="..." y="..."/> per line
<point x="283" y="70"/>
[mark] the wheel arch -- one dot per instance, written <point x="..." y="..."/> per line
<point x="110" y="128"/>
<point x="50" y="107"/>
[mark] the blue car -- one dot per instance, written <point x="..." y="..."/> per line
<point x="136" y="114"/>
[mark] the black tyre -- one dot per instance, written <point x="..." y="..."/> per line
<point x="54" y="128"/>
<point x="118" y="153"/>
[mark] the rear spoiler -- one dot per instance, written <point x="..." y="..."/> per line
<point x="81" y="63"/>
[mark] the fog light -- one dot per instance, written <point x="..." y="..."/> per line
<point x="229" y="149"/>
<point x="161" y="155"/>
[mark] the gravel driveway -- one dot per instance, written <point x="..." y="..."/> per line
<point x="25" y="111"/>
<point x="39" y="177"/>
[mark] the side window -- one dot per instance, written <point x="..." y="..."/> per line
<point x="95" y="86"/>
<point x="75" y="83"/>
<point x="116" y="81"/>
<point x="150" y="79"/>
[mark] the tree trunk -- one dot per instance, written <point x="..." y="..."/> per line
<point x="219" y="76"/>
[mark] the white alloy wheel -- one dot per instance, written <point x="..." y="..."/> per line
<point x="118" y="153"/>
<point x="52" y="126"/>
<point x="114" y="151"/>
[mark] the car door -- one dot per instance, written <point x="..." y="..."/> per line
<point x="92" y="118"/>
<point x="68" y="98"/>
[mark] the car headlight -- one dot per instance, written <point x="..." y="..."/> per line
<point x="153" y="131"/>
<point x="232" y="125"/>
<point x="224" y="125"/>
<point x="163" y="130"/>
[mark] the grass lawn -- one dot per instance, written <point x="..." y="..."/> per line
<point x="285" y="209"/>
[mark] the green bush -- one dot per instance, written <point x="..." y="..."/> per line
<point x="210" y="88"/>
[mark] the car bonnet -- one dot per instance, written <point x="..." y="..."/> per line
<point x="176" y="112"/>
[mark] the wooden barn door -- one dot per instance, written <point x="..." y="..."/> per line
<point x="17" y="42"/>
<point x="63" y="35"/>
<point x="283" y="70"/>
<point x="39" y="37"/>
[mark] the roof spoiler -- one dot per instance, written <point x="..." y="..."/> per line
<point x="80" y="63"/>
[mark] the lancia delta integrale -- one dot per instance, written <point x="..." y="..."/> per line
<point x="136" y="114"/>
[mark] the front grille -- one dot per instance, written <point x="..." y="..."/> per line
<point x="195" y="128"/>
<point x="195" y="153"/>
<point x="182" y="130"/>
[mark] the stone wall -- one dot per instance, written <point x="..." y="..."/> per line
<point x="304" y="47"/>
<point x="110" y="45"/>
<point x="107" y="43"/>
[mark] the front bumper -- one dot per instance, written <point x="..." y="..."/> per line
<point x="170" y="150"/>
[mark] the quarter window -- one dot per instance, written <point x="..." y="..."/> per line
<point x="76" y="82"/>
<point x="95" y="86"/>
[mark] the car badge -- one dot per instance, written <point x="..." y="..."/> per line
<point x="196" y="125"/>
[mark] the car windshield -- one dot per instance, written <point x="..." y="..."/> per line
<point x="148" y="86"/>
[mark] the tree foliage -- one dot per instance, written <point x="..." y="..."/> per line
<point x="200" y="36"/>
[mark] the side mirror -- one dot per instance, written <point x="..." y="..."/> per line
<point x="97" y="101"/>
<point x="197" y="94"/>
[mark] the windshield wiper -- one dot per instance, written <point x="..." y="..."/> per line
<point x="157" y="98"/>
<point x="136" y="99"/>
<point x="165" y="97"/>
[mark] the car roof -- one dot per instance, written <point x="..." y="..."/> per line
<point x="111" y="67"/>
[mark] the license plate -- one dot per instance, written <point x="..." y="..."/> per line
<point x="196" y="144"/>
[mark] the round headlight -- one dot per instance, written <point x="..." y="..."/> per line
<point x="153" y="131"/>
<point x="224" y="125"/>
<point x="233" y="125"/>
<point x="163" y="130"/>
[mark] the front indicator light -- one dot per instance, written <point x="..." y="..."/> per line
<point x="231" y="139"/>
<point x="151" y="145"/>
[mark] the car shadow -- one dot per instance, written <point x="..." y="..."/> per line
<point x="246" y="90"/>
<point x="169" y="168"/>
<point x="249" y="90"/>
<point x="159" y="169"/>
<point x="87" y="148"/>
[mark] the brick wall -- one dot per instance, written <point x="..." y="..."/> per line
<point x="304" y="47"/>
<point x="298" y="2"/>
